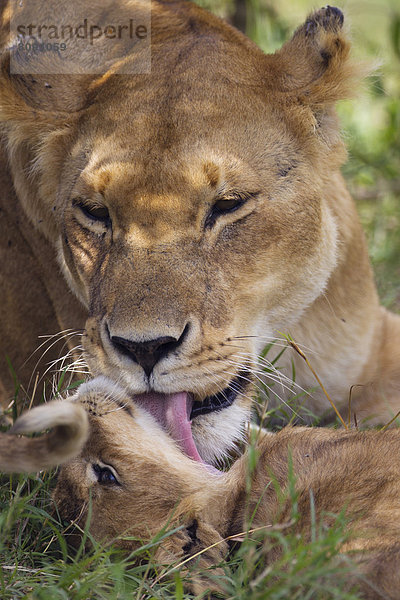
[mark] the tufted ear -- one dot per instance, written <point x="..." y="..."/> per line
<point x="314" y="66"/>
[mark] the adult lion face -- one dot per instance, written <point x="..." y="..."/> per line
<point x="155" y="239"/>
<point x="188" y="208"/>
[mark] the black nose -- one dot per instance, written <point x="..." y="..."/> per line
<point x="147" y="354"/>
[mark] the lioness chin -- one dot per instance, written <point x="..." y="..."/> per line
<point x="138" y="482"/>
<point x="196" y="211"/>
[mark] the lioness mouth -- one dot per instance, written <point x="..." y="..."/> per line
<point x="222" y="399"/>
<point x="175" y="412"/>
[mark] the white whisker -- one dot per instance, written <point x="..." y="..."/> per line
<point x="55" y="338"/>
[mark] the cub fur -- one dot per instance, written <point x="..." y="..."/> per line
<point x="137" y="482"/>
<point x="196" y="211"/>
<point x="69" y="424"/>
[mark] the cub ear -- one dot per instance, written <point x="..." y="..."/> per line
<point x="70" y="429"/>
<point x="314" y="65"/>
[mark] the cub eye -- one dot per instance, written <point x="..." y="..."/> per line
<point x="94" y="212"/>
<point x="105" y="475"/>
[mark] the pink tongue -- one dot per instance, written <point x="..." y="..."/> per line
<point x="172" y="412"/>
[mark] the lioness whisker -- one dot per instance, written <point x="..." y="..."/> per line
<point x="54" y="339"/>
<point x="74" y="371"/>
<point x="78" y="347"/>
<point x="276" y="375"/>
<point x="240" y="376"/>
<point x="274" y="341"/>
<point x="268" y="369"/>
<point x="63" y="368"/>
<point x="47" y="350"/>
<point x="62" y="360"/>
<point x="275" y="393"/>
<point x="54" y="342"/>
<point x="200" y="362"/>
<point x="69" y="354"/>
<point x="257" y="336"/>
<point x="48" y="337"/>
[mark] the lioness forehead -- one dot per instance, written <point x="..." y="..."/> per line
<point x="190" y="175"/>
<point x="105" y="173"/>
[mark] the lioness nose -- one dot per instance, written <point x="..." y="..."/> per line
<point x="147" y="354"/>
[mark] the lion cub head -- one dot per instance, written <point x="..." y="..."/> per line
<point x="133" y="482"/>
<point x="132" y="479"/>
<point x="188" y="206"/>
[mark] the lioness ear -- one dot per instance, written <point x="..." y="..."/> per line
<point x="37" y="114"/>
<point x="314" y="65"/>
<point x="39" y="100"/>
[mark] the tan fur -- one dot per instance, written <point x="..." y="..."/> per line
<point x="355" y="471"/>
<point x="69" y="424"/>
<point x="215" y="117"/>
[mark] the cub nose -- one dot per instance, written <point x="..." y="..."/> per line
<point x="148" y="353"/>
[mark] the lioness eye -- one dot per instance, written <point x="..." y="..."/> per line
<point x="228" y="204"/>
<point x="94" y="212"/>
<point x="105" y="475"/>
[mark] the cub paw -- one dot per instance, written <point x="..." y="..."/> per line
<point x="199" y="548"/>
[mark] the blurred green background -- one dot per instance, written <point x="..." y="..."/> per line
<point x="371" y="121"/>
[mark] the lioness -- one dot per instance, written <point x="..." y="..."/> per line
<point x="138" y="481"/>
<point x="195" y="212"/>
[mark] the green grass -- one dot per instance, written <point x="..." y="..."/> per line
<point x="37" y="561"/>
<point x="38" y="564"/>
<point x="35" y="558"/>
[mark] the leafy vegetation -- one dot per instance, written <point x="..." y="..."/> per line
<point x="36" y="561"/>
<point x="38" y="564"/>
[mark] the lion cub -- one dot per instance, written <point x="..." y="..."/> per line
<point x="69" y="423"/>
<point x="139" y="481"/>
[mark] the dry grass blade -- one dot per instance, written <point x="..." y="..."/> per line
<point x="391" y="421"/>
<point x="293" y="344"/>
<point x="350" y="398"/>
